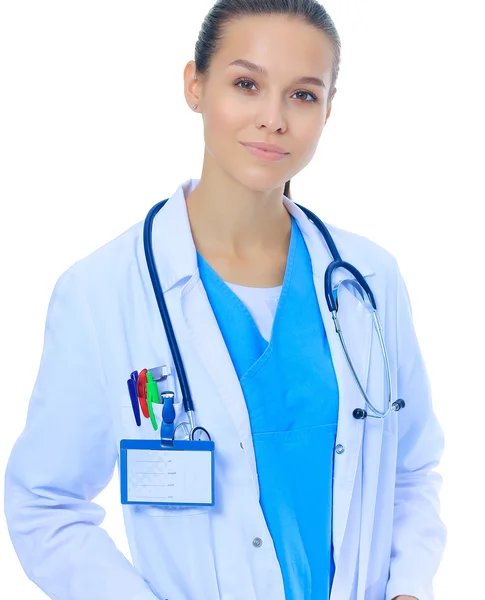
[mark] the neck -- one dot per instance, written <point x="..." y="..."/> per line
<point x="228" y="219"/>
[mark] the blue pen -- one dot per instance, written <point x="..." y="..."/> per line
<point x="134" y="397"/>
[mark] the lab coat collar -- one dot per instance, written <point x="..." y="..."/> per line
<point x="175" y="253"/>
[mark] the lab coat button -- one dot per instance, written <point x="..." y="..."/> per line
<point x="257" y="542"/>
<point x="339" y="449"/>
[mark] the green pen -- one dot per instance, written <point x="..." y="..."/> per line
<point x="152" y="396"/>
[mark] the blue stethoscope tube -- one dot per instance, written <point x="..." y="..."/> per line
<point x="337" y="263"/>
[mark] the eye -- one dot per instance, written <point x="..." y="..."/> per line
<point x="242" y="80"/>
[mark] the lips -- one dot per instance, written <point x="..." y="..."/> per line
<point x="265" y="155"/>
<point x="266" y="147"/>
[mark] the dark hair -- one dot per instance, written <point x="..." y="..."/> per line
<point x="225" y="11"/>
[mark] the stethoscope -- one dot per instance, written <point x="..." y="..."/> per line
<point x="190" y="430"/>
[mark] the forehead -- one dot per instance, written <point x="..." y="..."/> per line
<point x="284" y="45"/>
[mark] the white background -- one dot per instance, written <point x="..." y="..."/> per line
<point x="94" y="130"/>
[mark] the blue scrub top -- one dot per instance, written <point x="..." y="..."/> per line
<point x="291" y="392"/>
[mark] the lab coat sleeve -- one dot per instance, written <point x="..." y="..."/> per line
<point x="419" y="535"/>
<point x="64" y="457"/>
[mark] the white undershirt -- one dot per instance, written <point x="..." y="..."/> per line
<point x="261" y="304"/>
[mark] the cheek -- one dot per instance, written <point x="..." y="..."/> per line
<point x="223" y="125"/>
<point x="311" y="145"/>
<point x="224" y="115"/>
<point x="307" y="140"/>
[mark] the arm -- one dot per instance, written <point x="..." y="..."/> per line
<point x="419" y="535"/>
<point x="63" y="459"/>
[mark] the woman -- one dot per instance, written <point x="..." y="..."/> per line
<point x="310" y="502"/>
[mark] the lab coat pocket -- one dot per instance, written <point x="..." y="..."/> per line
<point x="144" y="431"/>
<point x="130" y="430"/>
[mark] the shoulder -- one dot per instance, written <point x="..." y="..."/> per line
<point x="355" y="247"/>
<point x="110" y="263"/>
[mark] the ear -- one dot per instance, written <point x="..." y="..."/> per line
<point x="329" y="103"/>
<point x="192" y="85"/>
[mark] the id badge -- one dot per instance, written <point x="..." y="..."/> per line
<point x="182" y="473"/>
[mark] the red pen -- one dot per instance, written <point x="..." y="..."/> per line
<point x="141" y="386"/>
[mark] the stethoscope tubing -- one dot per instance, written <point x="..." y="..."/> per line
<point x="157" y="288"/>
<point x="331" y="303"/>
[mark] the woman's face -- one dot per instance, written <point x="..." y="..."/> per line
<point x="242" y="105"/>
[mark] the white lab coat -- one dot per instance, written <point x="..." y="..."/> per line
<point x="103" y="322"/>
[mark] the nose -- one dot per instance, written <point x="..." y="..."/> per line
<point x="271" y="114"/>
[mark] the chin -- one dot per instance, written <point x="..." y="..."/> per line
<point x="258" y="179"/>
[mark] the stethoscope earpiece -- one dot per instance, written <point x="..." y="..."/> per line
<point x="359" y="413"/>
<point x="399" y="404"/>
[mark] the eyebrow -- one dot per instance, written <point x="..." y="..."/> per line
<point x="262" y="71"/>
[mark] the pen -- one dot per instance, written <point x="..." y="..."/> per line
<point x="134" y="399"/>
<point x="152" y="397"/>
<point x="141" y="386"/>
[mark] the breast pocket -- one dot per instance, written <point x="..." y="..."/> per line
<point x="129" y="428"/>
<point x="145" y="431"/>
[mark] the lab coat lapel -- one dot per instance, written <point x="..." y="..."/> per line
<point x="212" y="351"/>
